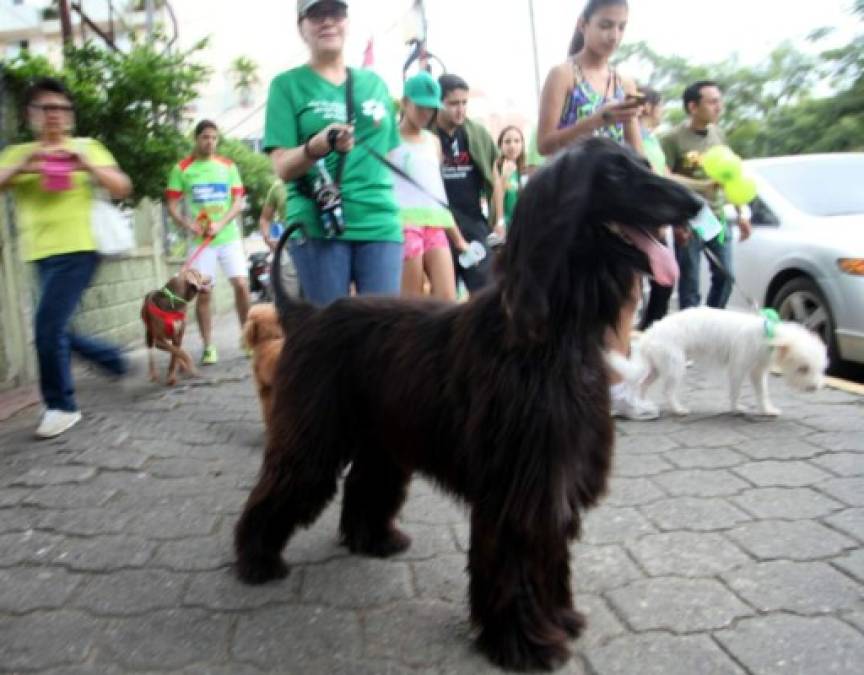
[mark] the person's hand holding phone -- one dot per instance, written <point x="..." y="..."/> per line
<point x="620" y="112"/>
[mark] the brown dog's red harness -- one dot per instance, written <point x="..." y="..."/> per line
<point x="169" y="319"/>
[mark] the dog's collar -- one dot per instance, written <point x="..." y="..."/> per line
<point x="173" y="297"/>
<point x="770" y="321"/>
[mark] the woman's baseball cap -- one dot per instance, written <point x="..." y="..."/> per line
<point x="304" y="6"/>
<point x="422" y="89"/>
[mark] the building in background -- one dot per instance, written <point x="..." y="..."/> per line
<point x="36" y="27"/>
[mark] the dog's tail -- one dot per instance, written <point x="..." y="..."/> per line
<point x="633" y="370"/>
<point x="292" y="310"/>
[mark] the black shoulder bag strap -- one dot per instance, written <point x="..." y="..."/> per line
<point x="349" y="119"/>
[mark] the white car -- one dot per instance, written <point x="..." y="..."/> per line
<point x="806" y="254"/>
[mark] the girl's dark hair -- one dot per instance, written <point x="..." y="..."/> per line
<point x="203" y="125"/>
<point x="578" y="41"/>
<point x="46" y="85"/>
<point x="520" y="160"/>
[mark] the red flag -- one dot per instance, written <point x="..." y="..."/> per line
<point x="369" y="54"/>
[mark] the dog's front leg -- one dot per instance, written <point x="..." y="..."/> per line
<point x="514" y="599"/>
<point x="759" y="380"/>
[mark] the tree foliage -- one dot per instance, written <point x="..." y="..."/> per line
<point x="257" y="175"/>
<point x="244" y="74"/>
<point x="793" y="102"/>
<point x="133" y="102"/>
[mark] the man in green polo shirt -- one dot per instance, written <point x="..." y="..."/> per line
<point x="213" y="196"/>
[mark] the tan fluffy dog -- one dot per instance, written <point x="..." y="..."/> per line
<point x="263" y="335"/>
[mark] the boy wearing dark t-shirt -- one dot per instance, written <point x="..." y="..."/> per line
<point x="469" y="154"/>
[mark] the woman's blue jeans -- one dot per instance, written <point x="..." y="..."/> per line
<point x="327" y="267"/>
<point x="62" y="281"/>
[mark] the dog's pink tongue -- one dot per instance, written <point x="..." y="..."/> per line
<point x="664" y="267"/>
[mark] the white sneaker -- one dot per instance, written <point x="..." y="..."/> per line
<point x="628" y="405"/>
<point x="55" y="422"/>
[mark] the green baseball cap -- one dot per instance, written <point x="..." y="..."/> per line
<point x="304" y="6"/>
<point x="422" y="89"/>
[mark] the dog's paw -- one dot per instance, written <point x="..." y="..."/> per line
<point x="512" y="650"/>
<point x="393" y="543"/>
<point x="572" y="621"/>
<point x="680" y="410"/>
<point x="261" y="570"/>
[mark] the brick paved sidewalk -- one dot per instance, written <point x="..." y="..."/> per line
<point x="727" y="545"/>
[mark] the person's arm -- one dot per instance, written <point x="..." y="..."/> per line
<point x="173" y="205"/>
<point x="632" y="132"/>
<point x="28" y="164"/>
<point x="236" y="207"/>
<point x="498" y="190"/>
<point x="264" y="222"/>
<point x="291" y="163"/>
<point x="110" y="178"/>
<point x="94" y="158"/>
<point x="456" y="239"/>
<point x="745" y="227"/>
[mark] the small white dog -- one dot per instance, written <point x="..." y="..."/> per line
<point x="747" y="345"/>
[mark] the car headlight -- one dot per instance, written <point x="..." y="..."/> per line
<point x="852" y="266"/>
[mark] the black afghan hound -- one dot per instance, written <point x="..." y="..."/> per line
<point x="503" y="401"/>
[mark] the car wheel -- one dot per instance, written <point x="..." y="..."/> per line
<point x="802" y="301"/>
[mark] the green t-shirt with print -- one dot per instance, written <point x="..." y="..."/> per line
<point x="511" y="196"/>
<point x="210" y="187"/>
<point x="54" y="223"/>
<point x="684" y="148"/>
<point x="300" y="104"/>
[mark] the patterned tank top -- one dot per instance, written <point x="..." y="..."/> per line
<point x="584" y="100"/>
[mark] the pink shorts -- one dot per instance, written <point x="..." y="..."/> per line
<point x="418" y="240"/>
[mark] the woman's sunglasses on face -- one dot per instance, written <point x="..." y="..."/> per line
<point x="320" y="13"/>
<point x="51" y="107"/>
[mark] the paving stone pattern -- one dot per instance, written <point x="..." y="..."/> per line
<point x="727" y="544"/>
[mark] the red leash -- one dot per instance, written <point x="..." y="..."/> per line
<point x="204" y="244"/>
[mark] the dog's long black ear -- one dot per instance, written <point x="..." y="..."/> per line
<point x="547" y="222"/>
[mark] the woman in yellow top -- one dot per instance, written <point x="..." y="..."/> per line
<point x="52" y="180"/>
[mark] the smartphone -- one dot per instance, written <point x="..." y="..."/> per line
<point x="636" y="99"/>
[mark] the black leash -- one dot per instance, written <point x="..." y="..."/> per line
<point x="714" y="260"/>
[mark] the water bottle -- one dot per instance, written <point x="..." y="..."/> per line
<point x="473" y="255"/>
<point x="276" y="230"/>
<point x="707" y="225"/>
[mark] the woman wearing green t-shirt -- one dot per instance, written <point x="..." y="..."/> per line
<point x="52" y="181"/>
<point x="303" y="106"/>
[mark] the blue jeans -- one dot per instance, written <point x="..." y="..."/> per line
<point x="62" y="281"/>
<point x="688" y="262"/>
<point x="326" y="268"/>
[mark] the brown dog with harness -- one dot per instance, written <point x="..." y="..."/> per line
<point x="164" y="316"/>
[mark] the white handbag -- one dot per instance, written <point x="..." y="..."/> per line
<point x="112" y="231"/>
<point x="111" y="228"/>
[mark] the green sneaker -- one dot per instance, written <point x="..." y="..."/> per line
<point x="209" y="357"/>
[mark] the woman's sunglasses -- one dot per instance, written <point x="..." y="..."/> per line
<point x="51" y="108"/>
<point x="320" y="13"/>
